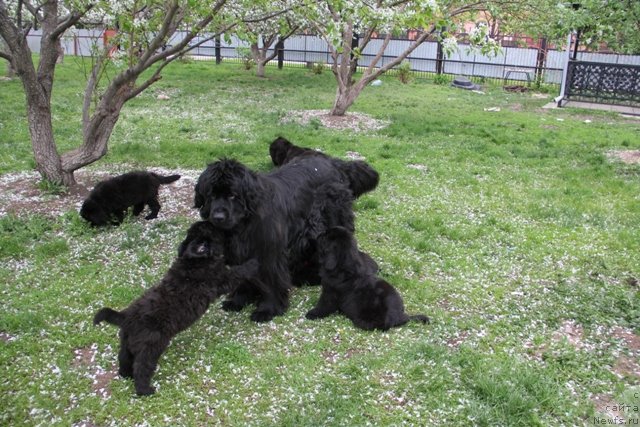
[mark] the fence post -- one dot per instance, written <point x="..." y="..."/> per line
<point x="439" y="58"/>
<point x="280" y="50"/>
<point x="354" y="44"/>
<point x="541" y="61"/>
<point x="218" y="50"/>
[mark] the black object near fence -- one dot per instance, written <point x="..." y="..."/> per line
<point x="617" y="84"/>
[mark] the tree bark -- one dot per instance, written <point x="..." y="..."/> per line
<point x="346" y="96"/>
<point x="260" y="65"/>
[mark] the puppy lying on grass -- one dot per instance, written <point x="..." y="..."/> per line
<point x="109" y="200"/>
<point x="350" y="285"/>
<point x="196" y="278"/>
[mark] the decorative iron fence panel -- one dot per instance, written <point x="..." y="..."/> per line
<point x="603" y="83"/>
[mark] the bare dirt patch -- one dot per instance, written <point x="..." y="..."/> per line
<point x="630" y="340"/>
<point x="572" y="332"/>
<point x="458" y="340"/>
<point x="357" y="122"/>
<point x="85" y="359"/>
<point x="626" y="367"/>
<point x="5" y="337"/>
<point x="625" y="156"/>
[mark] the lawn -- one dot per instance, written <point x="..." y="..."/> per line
<point x="513" y="227"/>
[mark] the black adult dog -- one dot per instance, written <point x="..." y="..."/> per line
<point x="194" y="280"/>
<point x="358" y="175"/>
<point x="109" y="200"/>
<point x="266" y="216"/>
<point x="350" y="285"/>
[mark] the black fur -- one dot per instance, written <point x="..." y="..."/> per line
<point x="359" y="175"/>
<point x="350" y="286"/>
<point x="332" y="207"/>
<point x="269" y="217"/>
<point x="196" y="278"/>
<point x="109" y="200"/>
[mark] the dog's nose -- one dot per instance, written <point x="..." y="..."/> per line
<point x="218" y="216"/>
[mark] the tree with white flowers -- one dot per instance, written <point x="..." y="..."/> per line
<point x="144" y="43"/>
<point x="264" y="35"/>
<point x="338" y="22"/>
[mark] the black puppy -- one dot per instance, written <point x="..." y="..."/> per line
<point x="358" y="175"/>
<point x="282" y="151"/>
<point x="332" y="207"/>
<point x="350" y="285"/>
<point x="196" y="278"/>
<point x="109" y="200"/>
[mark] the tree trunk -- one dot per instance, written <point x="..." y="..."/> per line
<point x="342" y="103"/>
<point x="346" y="96"/>
<point x="43" y="143"/>
<point x="260" y="68"/>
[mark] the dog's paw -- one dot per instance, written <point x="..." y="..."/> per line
<point x="261" y="316"/>
<point x="312" y="314"/>
<point x="145" y="391"/>
<point x="230" y="305"/>
<point x="125" y="373"/>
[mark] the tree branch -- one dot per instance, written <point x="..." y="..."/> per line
<point x="266" y="17"/>
<point x="69" y="21"/>
<point x="92" y="83"/>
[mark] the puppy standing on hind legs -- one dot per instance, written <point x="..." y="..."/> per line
<point x="350" y="286"/>
<point x="196" y="278"/>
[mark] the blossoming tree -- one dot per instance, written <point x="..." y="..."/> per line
<point x="144" y="43"/>
<point x="264" y="35"/>
<point x="339" y="21"/>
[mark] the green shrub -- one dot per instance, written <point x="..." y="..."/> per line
<point x="317" y="68"/>
<point x="441" y="79"/>
<point x="404" y="72"/>
<point x="244" y="53"/>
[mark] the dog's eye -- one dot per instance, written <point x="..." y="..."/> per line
<point x="232" y="196"/>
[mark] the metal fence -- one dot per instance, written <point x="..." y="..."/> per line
<point x="513" y="64"/>
<point x="603" y="83"/>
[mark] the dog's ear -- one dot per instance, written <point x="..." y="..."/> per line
<point x="198" y="199"/>
<point x="251" y="191"/>
<point x="330" y="261"/>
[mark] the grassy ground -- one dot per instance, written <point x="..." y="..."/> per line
<point x="513" y="230"/>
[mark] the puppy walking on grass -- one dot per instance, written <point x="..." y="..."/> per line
<point x="110" y="199"/>
<point x="196" y="278"/>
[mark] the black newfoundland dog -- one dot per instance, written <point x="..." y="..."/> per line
<point x="350" y="286"/>
<point x="359" y="175"/>
<point x="269" y="217"/>
<point x="196" y="278"/>
<point x="109" y="200"/>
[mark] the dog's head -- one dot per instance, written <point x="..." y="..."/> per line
<point x="203" y="241"/>
<point x="337" y="247"/>
<point x="94" y="213"/>
<point x="227" y="192"/>
<point x="278" y="150"/>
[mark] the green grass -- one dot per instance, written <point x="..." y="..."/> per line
<point x="501" y="226"/>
